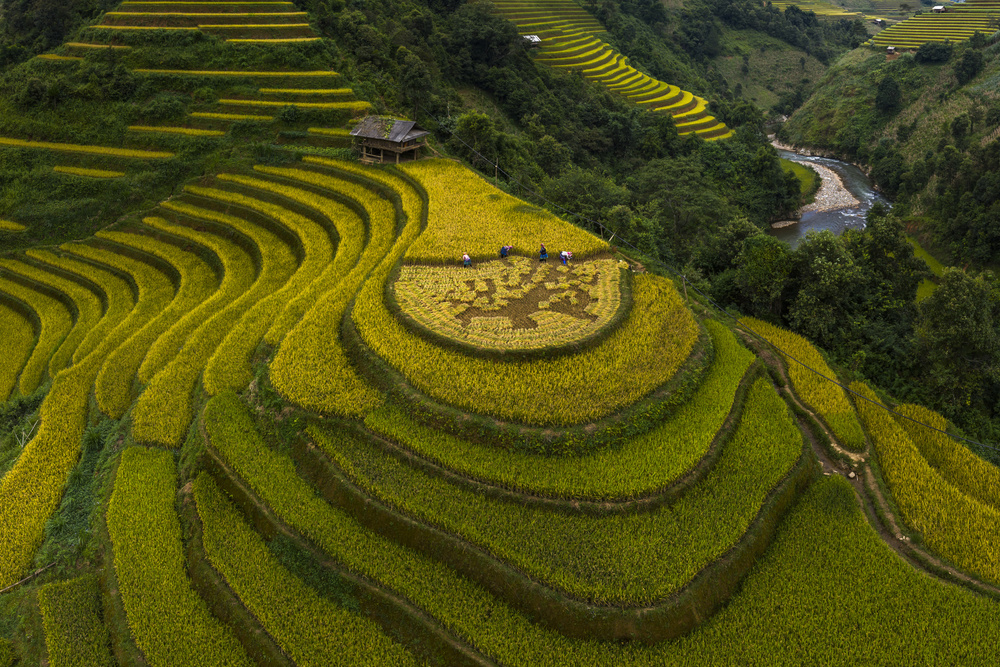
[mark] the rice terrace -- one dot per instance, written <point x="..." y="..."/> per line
<point x="257" y="410"/>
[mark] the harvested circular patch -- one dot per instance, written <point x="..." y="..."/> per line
<point x="513" y="304"/>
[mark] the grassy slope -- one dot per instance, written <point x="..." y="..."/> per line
<point x="774" y="66"/>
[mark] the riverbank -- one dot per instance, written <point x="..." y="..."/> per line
<point x="832" y="195"/>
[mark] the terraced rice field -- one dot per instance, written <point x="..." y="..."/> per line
<point x="960" y="22"/>
<point x="257" y="22"/>
<point x="308" y="460"/>
<point x="570" y="39"/>
<point x="819" y="7"/>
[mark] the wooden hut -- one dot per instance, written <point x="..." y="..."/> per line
<point x="383" y="139"/>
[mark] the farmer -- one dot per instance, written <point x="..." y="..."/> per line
<point x="565" y="256"/>
<point x="466" y="260"/>
<point x="505" y="250"/>
<point x="543" y="254"/>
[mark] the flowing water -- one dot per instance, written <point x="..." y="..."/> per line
<point x="836" y="220"/>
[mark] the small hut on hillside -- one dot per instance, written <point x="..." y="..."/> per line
<point x="383" y="139"/>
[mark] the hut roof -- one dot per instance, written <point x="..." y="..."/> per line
<point x="388" y="129"/>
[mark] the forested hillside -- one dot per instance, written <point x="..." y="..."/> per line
<point x="926" y="123"/>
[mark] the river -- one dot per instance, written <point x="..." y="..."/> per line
<point x="836" y="220"/>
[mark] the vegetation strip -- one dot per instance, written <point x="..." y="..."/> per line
<point x="164" y="411"/>
<point x="954" y="462"/>
<point x="311" y="367"/>
<point x="157" y="308"/>
<point x="74" y="631"/>
<point x="90" y="173"/>
<point x="825" y="397"/>
<point x="31" y="491"/>
<point x="242" y="472"/>
<point x="491" y="308"/>
<point x="10" y="226"/>
<point x="654" y="553"/>
<point x="457" y="195"/>
<point x="170" y="622"/>
<point x="118" y="295"/>
<point x="17" y="340"/>
<point x="953" y="524"/>
<point x="301" y="621"/>
<point x="56" y="322"/>
<point x="86" y="303"/>
<point x="344" y="222"/>
<point x="639" y="466"/>
<point x="563" y="391"/>
<point x="93" y="150"/>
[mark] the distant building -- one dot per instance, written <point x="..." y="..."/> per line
<point x="938" y="9"/>
<point x="890" y="50"/>
<point x="532" y="41"/>
<point x="383" y="139"/>
<point x="878" y="22"/>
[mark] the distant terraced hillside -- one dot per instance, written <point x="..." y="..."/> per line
<point x="960" y="22"/>
<point x="820" y="7"/>
<point x="570" y="40"/>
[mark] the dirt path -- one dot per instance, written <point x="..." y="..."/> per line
<point x="870" y="495"/>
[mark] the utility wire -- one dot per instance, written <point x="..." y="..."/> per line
<point x="669" y="269"/>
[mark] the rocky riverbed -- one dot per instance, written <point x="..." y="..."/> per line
<point x="831" y="195"/>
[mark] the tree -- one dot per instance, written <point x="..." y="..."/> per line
<point x="968" y="66"/>
<point x="762" y="271"/>
<point x="827" y="279"/>
<point x="888" y="97"/>
<point x="958" y="341"/>
<point x="933" y="52"/>
<point x="414" y="79"/>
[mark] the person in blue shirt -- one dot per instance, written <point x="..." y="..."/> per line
<point x="505" y="250"/>
<point x="543" y="254"/>
<point x="466" y="260"/>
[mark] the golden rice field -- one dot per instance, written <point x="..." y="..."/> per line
<point x="467" y="214"/>
<point x="273" y="419"/>
<point x="475" y="306"/>
<point x="10" y="226"/>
